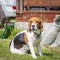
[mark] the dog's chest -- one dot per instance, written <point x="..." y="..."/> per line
<point x="37" y="41"/>
<point x="37" y="35"/>
<point x="33" y="38"/>
<point x="30" y="36"/>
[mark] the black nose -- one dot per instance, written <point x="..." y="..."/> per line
<point x="33" y="26"/>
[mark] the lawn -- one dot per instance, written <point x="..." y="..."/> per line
<point x="6" y="55"/>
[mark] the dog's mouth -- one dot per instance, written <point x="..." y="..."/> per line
<point x="34" y="29"/>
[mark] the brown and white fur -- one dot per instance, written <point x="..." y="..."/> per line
<point x="26" y="40"/>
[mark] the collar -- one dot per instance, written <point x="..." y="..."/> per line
<point x="37" y="33"/>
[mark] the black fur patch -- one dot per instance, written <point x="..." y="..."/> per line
<point x="19" y="41"/>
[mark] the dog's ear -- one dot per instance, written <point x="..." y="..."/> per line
<point x="29" y="25"/>
<point x="40" y="23"/>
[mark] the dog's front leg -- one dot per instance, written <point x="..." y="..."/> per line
<point x="32" y="50"/>
<point x="39" y="49"/>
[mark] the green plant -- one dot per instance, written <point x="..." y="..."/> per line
<point x="1" y="32"/>
<point x="13" y="33"/>
<point x="0" y="25"/>
<point x="7" y="31"/>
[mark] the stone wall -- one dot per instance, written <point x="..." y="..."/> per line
<point x="21" y="25"/>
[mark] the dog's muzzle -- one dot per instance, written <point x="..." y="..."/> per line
<point x="33" y="27"/>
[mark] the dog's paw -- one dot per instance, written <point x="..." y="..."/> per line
<point x="40" y="54"/>
<point x="35" y="57"/>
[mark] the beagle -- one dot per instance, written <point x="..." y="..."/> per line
<point x="26" y="40"/>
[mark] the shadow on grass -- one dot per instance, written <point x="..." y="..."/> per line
<point x="48" y="54"/>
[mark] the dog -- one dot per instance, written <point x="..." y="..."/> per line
<point x="27" y="39"/>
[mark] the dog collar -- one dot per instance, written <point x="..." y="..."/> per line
<point x="37" y="33"/>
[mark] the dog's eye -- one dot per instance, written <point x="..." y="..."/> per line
<point x="36" y="21"/>
<point x="30" y="21"/>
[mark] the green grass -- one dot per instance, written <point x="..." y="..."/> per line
<point x="6" y="55"/>
<point x="13" y="33"/>
<point x="1" y="31"/>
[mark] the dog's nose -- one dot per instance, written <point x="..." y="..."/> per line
<point x="33" y="26"/>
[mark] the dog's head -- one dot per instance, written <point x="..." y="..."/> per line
<point x="35" y="23"/>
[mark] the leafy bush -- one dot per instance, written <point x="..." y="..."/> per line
<point x="7" y="31"/>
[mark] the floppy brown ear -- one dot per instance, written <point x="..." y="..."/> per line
<point x="40" y="23"/>
<point x="29" y="26"/>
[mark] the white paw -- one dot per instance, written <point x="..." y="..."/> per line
<point x="40" y="54"/>
<point x="34" y="57"/>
